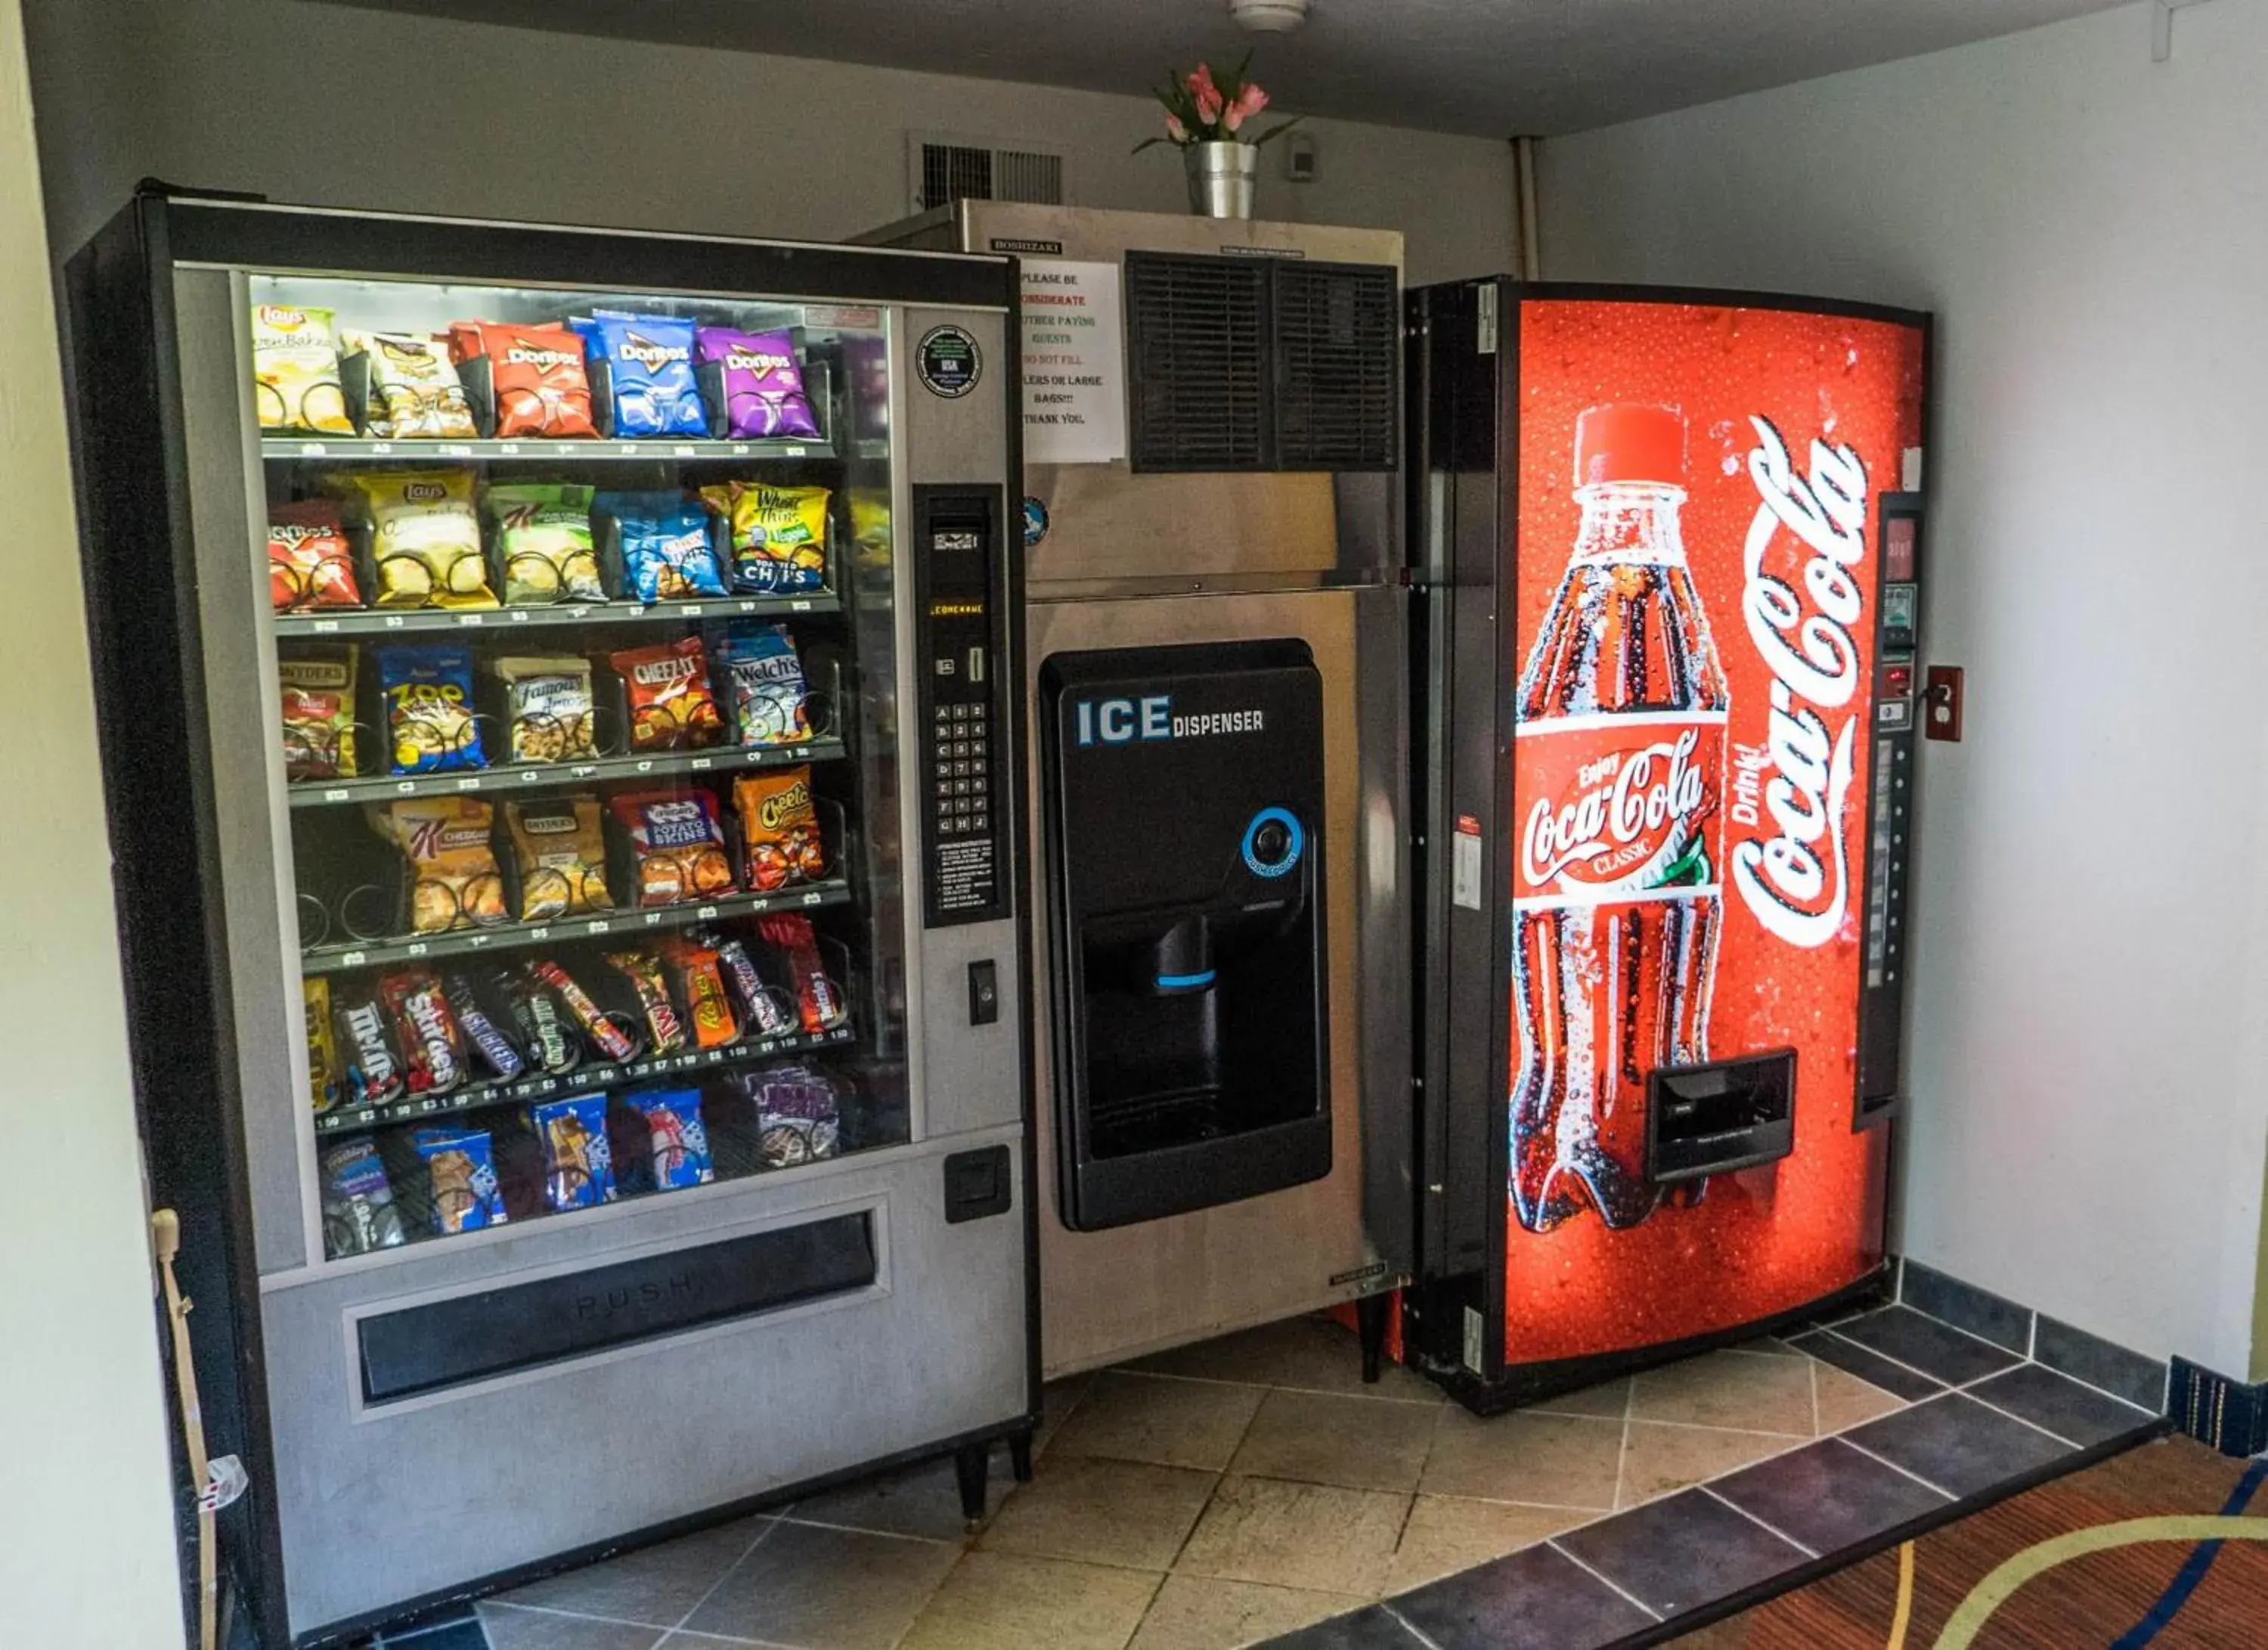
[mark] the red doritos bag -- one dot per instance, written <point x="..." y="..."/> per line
<point x="541" y="385"/>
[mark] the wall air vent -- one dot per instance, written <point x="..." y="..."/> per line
<point x="1196" y="333"/>
<point x="1337" y="334"/>
<point x="943" y="168"/>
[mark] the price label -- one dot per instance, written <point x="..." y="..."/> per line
<point x="706" y="913"/>
<point x="598" y="925"/>
<point x="415" y="948"/>
<point x="334" y="795"/>
<point x="325" y="627"/>
<point x="683" y="450"/>
<point x="353" y="958"/>
<point x="393" y="621"/>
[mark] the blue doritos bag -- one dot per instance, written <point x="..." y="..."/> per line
<point x="668" y="555"/>
<point x="650" y="364"/>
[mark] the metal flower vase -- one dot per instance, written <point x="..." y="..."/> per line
<point x="1221" y="176"/>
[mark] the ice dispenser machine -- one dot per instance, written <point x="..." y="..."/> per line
<point x="1184" y="805"/>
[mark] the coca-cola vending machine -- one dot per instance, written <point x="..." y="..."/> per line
<point x="1669" y="550"/>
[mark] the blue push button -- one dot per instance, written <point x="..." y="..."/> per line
<point x="1273" y="843"/>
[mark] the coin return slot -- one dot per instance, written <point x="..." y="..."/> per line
<point x="1729" y="1114"/>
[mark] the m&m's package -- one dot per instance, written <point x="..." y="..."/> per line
<point x="679" y="1142"/>
<point x="295" y="371"/>
<point x="764" y="384"/>
<point x="776" y="535"/>
<point x="649" y="371"/>
<point x="666" y="552"/>
<point x="578" y="1164"/>
<point x="542" y="386"/>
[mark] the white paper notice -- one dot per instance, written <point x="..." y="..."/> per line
<point x="1074" y="363"/>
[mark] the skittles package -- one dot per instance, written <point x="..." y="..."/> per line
<point x="430" y="725"/>
<point x="462" y="1169"/>
<point x="764" y="384"/>
<point x="681" y="1144"/>
<point x="578" y="1164"/>
<point x="777" y="535"/>
<point x="763" y="678"/>
<point x="666" y="552"/>
<point x="295" y="371"/>
<point x="649" y="371"/>
<point x="540" y="384"/>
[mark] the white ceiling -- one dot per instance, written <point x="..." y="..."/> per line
<point x="1489" y="67"/>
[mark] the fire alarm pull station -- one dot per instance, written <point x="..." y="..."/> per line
<point x="1941" y="704"/>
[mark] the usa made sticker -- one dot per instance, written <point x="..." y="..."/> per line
<point x="947" y="362"/>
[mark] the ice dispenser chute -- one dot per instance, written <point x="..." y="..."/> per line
<point x="1184" y="806"/>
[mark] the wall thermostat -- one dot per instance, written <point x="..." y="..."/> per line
<point x="1299" y="158"/>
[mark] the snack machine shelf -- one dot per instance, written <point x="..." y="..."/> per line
<point x="392" y="621"/>
<point x="331" y="449"/>
<point x="582" y="1079"/>
<point x="335" y="959"/>
<point x="528" y="776"/>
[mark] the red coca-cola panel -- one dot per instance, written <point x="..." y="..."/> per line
<point x="1695" y="599"/>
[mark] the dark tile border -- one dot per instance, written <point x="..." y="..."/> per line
<point x="2099" y="1363"/>
<point x="1870" y="1366"/>
<point x="1921" y="1342"/>
<point x="1828" y="1496"/>
<point x="1535" y="1599"/>
<point x="2034" y="1393"/>
<point x="1677" y="1554"/>
<point x="1373" y="1627"/>
<point x="1977" y="1312"/>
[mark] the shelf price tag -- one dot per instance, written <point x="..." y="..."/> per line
<point x="335" y="796"/>
<point x="706" y="913"/>
<point x="597" y="926"/>
<point x="353" y="958"/>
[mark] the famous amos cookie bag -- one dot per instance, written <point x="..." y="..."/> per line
<point x="676" y="846"/>
<point x="547" y="707"/>
<point x="318" y="685"/>
<point x="667" y="688"/>
<point x="414" y="392"/>
<point x="779" y="830"/>
<point x="425" y="536"/>
<point x="760" y="382"/>
<point x="649" y="373"/>
<point x="295" y="371"/>
<point x="461" y="1173"/>
<point x="310" y="562"/>
<point x="537" y="375"/>
<point x="430" y="725"/>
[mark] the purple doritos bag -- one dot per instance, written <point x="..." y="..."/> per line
<point x="763" y="385"/>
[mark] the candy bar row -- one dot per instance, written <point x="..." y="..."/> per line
<point x="611" y="374"/>
<point x="432" y="699"/>
<point x="438" y="538"/>
<point x="578" y="1152"/>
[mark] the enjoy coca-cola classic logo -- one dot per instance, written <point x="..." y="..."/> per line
<point x="1790" y="792"/>
<point x="1626" y="811"/>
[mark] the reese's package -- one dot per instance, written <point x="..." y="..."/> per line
<point x="426" y="537"/>
<point x="429" y="724"/>
<point x="454" y="880"/>
<point x="358" y="1212"/>
<point x="763" y="382"/>
<point x="650" y="372"/>
<point x="414" y="392"/>
<point x="668" y="555"/>
<point x="671" y="705"/>
<point x="677" y="844"/>
<point x="542" y="388"/>
<point x="425" y="1030"/>
<point x="561" y="850"/>
<point x="779" y="828"/>
<point x="295" y="371"/>
<point x="763" y="681"/>
<point x="318" y="687"/>
<point x="777" y="537"/>
<point x="543" y="542"/>
<point x="679" y="1141"/>
<point x="460" y="1165"/>
<point x="578" y="1164"/>
<point x="325" y="1084"/>
<point x="700" y="988"/>
<point x="310" y="563"/>
<point x="547" y="706"/>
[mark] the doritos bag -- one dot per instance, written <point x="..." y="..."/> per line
<point x="541" y="385"/>
<point x="649" y="368"/>
<point x="309" y="563"/>
<point x="764" y="384"/>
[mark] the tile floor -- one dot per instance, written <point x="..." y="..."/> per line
<point x="1253" y="1487"/>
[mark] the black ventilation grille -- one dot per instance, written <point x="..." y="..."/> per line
<point x="1197" y="329"/>
<point x="1261" y="363"/>
<point x="1337" y="340"/>
<point x="951" y="171"/>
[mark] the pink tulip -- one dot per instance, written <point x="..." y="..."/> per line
<point x="1209" y="100"/>
<point x="1175" y="130"/>
<point x="1248" y="103"/>
<point x="1233" y="118"/>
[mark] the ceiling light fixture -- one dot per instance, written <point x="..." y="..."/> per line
<point x="1268" y="17"/>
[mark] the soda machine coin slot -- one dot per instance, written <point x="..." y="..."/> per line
<point x="1727" y="1115"/>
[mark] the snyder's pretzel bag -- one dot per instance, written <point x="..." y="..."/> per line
<point x="668" y="555"/>
<point x="763" y="383"/>
<point x="677" y="844"/>
<point x="430" y="725"/>
<point x="679" y="1142"/>
<point x="671" y="705"/>
<point x="426" y="537"/>
<point x="763" y="679"/>
<point x="319" y="712"/>
<point x="779" y="828"/>
<point x="543" y="542"/>
<point x="454" y="880"/>
<point x="561" y="850"/>
<point x="650" y="371"/>
<point x="777" y="535"/>
<point x="295" y="371"/>
<point x="542" y="387"/>
<point x="414" y="393"/>
<point x="578" y="1164"/>
<point x="310" y="563"/>
<point x="461" y="1167"/>
<point x="358" y="1211"/>
<point x="547" y="707"/>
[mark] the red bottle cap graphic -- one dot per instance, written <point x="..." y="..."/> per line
<point x="1627" y="441"/>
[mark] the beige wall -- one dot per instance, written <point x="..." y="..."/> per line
<point x="338" y="106"/>
<point x="86" y="1549"/>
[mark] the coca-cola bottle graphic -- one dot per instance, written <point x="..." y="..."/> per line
<point x="1617" y="779"/>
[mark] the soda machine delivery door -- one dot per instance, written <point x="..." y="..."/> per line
<point x="598" y="763"/>
<point x="1670" y="554"/>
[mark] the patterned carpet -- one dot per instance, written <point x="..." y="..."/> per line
<point x="2164" y="1546"/>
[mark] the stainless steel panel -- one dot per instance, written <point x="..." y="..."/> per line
<point x="1114" y="1294"/>
<point x="971" y="1075"/>
<point x="959" y="439"/>
<point x="227" y="506"/>
<point x="384" y="1504"/>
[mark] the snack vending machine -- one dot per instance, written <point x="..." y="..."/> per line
<point x="561" y="705"/>
<point x="1670" y="550"/>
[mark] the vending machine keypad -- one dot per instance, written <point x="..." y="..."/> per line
<point x="957" y="617"/>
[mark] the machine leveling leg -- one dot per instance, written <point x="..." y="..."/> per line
<point x="1020" y="1454"/>
<point x="1370" y="1321"/>
<point x="969" y="1465"/>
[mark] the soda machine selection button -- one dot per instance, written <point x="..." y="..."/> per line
<point x="1899" y="679"/>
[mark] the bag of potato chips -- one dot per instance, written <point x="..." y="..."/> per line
<point x="543" y="542"/>
<point x="426" y="537"/>
<point x="295" y="371"/>
<point x="414" y="393"/>
<point x="777" y="535"/>
<point x="454" y="879"/>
